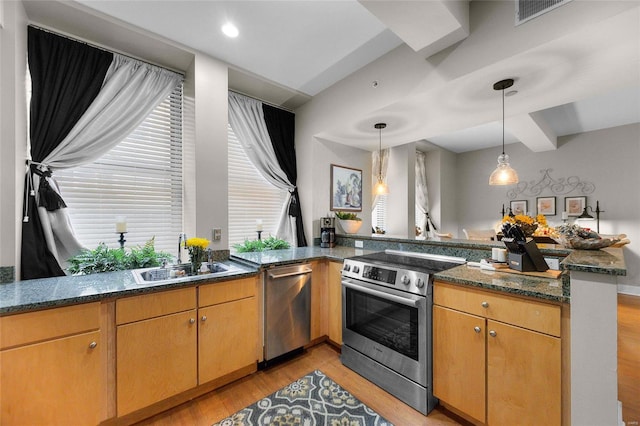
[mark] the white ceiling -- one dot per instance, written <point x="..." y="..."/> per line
<point x="303" y="47"/>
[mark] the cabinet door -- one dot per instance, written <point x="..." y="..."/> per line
<point x="156" y="359"/>
<point x="53" y="383"/>
<point x="228" y="338"/>
<point x="459" y="361"/>
<point x="335" y="302"/>
<point x="318" y="299"/>
<point x="523" y="376"/>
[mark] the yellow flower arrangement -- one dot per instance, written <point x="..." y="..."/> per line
<point x="528" y="224"/>
<point x="196" y="247"/>
<point x="197" y="242"/>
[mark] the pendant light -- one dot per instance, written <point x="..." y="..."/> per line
<point x="381" y="188"/>
<point x="503" y="174"/>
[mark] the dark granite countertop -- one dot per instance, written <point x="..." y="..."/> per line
<point x="28" y="295"/>
<point x="556" y="290"/>
<point x="299" y="254"/>
<point x="22" y="296"/>
<point x="608" y="261"/>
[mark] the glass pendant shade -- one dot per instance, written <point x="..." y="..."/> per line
<point x="381" y="188"/>
<point x="503" y="174"/>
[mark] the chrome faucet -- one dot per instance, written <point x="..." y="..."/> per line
<point x="182" y="239"/>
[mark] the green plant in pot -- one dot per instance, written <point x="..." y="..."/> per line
<point x="269" y="243"/>
<point x="349" y="222"/>
<point x="105" y="259"/>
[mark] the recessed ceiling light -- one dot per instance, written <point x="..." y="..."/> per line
<point x="230" y="30"/>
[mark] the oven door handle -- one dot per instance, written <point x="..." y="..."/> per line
<point x="402" y="300"/>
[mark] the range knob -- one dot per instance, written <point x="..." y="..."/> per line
<point x="419" y="283"/>
<point x="356" y="269"/>
<point x="347" y="268"/>
<point x="405" y="280"/>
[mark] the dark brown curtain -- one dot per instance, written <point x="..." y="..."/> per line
<point x="66" y="77"/>
<point x="281" y="128"/>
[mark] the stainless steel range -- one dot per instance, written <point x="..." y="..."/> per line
<point x="386" y="321"/>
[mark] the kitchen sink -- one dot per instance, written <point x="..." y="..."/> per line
<point x="175" y="272"/>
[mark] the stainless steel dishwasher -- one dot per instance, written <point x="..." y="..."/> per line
<point x="287" y="309"/>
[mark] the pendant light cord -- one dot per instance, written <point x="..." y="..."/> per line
<point x="380" y="154"/>
<point x="503" y="121"/>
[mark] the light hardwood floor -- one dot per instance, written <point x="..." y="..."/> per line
<point x="222" y="402"/>
<point x="629" y="358"/>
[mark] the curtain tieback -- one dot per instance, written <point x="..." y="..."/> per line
<point x="294" y="205"/>
<point x="47" y="196"/>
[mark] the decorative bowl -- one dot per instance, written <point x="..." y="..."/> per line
<point x="350" y="226"/>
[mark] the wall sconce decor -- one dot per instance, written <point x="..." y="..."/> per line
<point x="586" y="216"/>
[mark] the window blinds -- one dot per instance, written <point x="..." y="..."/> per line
<point x="379" y="213"/>
<point x="140" y="179"/>
<point x="251" y="197"/>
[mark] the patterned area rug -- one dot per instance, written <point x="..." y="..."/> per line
<point x="313" y="400"/>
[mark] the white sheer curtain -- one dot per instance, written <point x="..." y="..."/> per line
<point x="375" y="171"/>
<point x="246" y="119"/>
<point x="422" y="195"/>
<point x="131" y="90"/>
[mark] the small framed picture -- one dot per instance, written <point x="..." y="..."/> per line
<point x="546" y="206"/>
<point x="346" y="189"/>
<point x="574" y="206"/>
<point x="519" y="206"/>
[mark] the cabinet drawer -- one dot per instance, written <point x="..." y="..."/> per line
<point x="21" y="329"/>
<point x="537" y="316"/>
<point x="226" y="291"/>
<point x="154" y="305"/>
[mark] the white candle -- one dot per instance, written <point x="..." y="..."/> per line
<point x="565" y="215"/>
<point x="121" y="224"/>
<point x="259" y="225"/>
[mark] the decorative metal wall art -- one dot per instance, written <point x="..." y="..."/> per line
<point x="557" y="186"/>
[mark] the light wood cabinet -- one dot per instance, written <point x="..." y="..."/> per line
<point x="156" y="338"/>
<point x="228" y="328"/>
<point x="334" y="285"/>
<point x="51" y="371"/>
<point x="508" y="346"/>
<point x="319" y="296"/>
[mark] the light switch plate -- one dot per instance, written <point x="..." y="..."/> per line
<point x="359" y="244"/>
<point x="217" y="234"/>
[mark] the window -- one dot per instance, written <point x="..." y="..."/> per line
<point x="140" y="179"/>
<point x="251" y="197"/>
<point x="379" y="213"/>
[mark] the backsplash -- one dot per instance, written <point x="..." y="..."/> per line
<point x="7" y="274"/>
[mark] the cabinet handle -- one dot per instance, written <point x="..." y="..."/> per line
<point x="492" y="333"/>
<point x="204" y="318"/>
<point x="485" y="304"/>
<point x="477" y="329"/>
<point x="92" y="345"/>
<point x="192" y="320"/>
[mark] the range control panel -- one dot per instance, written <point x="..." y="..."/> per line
<point x="386" y="275"/>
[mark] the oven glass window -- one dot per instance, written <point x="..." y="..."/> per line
<point x="388" y="323"/>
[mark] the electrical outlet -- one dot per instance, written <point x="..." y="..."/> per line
<point x="359" y="244"/>
<point x="552" y="263"/>
<point x="217" y="234"/>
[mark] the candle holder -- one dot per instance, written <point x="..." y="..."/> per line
<point x="121" y="240"/>
<point x="259" y="235"/>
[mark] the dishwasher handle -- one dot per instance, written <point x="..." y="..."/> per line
<point x="289" y="274"/>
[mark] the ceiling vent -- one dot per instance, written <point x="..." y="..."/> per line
<point x="529" y="9"/>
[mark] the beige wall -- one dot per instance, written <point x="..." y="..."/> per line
<point x="607" y="158"/>
<point x="13" y="124"/>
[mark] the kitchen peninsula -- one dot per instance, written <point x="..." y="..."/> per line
<point x="102" y="292"/>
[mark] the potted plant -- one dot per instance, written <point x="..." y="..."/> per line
<point x="349" y="222"/>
